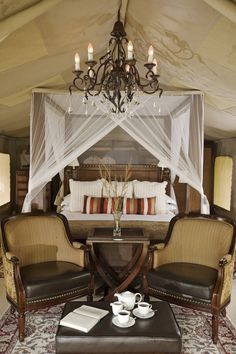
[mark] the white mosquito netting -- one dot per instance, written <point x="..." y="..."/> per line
<point x="63" y="127"/>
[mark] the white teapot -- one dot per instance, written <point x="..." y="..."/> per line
<point x="128" y="299"/>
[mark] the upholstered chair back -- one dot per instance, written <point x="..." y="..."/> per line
<point x="197" y="240"/>
<point x="36" y="239"/>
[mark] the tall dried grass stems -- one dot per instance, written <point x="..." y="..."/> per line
<point x="112" y="188"/>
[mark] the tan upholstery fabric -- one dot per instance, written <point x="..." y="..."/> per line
<point x="8" y="270"/>
<point x="198" y="241"/>
<point x="227" y="285"/>
<point x="41" y="239"/>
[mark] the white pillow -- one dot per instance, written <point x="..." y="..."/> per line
<point x="79" y="189"/>
<point x="66" y="200"/>
<point x="65" y="208"/>
<point x="172" y="208"/>
<point x="170" y="200"/>
<point x="116" y="189"/>
<point x="147" y="189"/>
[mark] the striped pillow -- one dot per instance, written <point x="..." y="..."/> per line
<point x="95" y="205"/>
<point x="143" y="206"/>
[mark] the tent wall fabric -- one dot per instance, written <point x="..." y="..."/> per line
<point x="63" y="127"/>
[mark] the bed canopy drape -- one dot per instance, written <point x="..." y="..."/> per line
<point x="62" y="127"/>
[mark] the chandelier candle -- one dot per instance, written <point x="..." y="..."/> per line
<point x="150" y="54"/>
<point x="130" y="50"/>
<point x="90" y="52"/>
<point x="77" y="62"/>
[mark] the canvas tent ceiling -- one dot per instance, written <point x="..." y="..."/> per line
<point x="195" y="41"/>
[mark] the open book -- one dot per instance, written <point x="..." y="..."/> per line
<point x="83" y="318"/>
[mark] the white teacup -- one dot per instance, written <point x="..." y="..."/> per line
<point x="123" y="316"/>
<point x="144" y="308"/>
<point x="117" y="306"/>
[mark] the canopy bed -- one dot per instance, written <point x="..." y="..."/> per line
<point x="63" y="127"/>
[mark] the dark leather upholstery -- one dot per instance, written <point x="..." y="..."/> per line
<point x="185" y="279"/>
<point x="159" y="334"/>
<point x="47" y="279"/>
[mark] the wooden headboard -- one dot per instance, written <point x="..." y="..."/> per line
<point x="89" y="172"/>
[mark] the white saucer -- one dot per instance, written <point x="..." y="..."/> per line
<point x="150" y="314"/>
<point x="123" y="325"/>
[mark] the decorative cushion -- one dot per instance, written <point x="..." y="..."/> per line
<point x="65" y="204"/>
<point x="117" y="189"/>
<point x="43" y="280"/>
<point x="79" y="189"/>
<point x="170" y="200"/>
<point x="94" y="205"/>
<point x="144" y="206"/>
<point x="66" y="200"/>
<point x="147" y="189"/>
<point x="184" y="279"/>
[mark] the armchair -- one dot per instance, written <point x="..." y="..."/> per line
<point x="41" y="266"/>
<point x="194" y="267"/>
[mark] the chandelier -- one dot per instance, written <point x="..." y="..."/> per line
<point x="117" y="78"/>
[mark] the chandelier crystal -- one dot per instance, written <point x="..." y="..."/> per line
<point x="116" y="79"/>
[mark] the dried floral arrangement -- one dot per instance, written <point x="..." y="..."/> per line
<point x="111" y="185"/>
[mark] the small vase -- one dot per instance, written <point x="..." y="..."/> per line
<point x="117" y="229"/>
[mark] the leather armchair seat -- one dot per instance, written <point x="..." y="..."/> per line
<point x="46" y="279"/>
<point x="189" y="280"/>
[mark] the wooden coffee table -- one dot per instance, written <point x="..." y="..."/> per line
<point x="118" y="282"/>
<point x="159" y="334"/>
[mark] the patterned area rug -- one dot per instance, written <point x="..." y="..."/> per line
<point x="42" y="325"/>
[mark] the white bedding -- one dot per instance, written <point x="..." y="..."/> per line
<point x="129" y="217"/>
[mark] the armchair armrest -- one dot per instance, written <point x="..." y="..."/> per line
<point x="81" y="246"/>
<point x="156" y="247"/>
<point x="86" y="249"/>
<point x="224" y="260"/>
<point x="225" y="276"/>
<point x="150" y="257"/>
<point x="154" y="252"/>
<point x="12" y="257"/>
<point x="12" y="275"/>
<point x="160" y="246"/>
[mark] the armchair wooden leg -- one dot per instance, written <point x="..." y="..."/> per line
<point x="21" y="326"/>
<point x="215" y="328"/>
